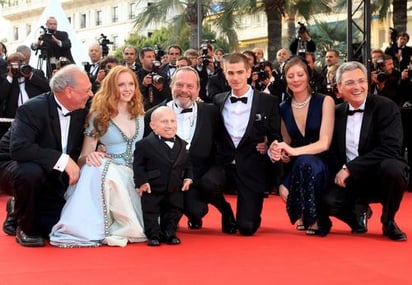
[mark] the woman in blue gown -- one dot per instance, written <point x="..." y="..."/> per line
<point x="307" y="128"/>
<point x="104" y="206"/>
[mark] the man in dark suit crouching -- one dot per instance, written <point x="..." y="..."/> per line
<point x="38" y="155"/>
<point x="367" y="141"/>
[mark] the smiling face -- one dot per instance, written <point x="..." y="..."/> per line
<point x="126" y="86"/>
<point x="353" y="87"/>
<point x="297" y="78"/>
<point x="163" y="122"/>
<point x="185" y="88"/>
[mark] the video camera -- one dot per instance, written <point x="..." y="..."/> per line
<point x="301" y="51"/>
<point x="206" y="59"/>
<point x="46" y="31"/>
<point x="394" y="35"/>
<point x="156" y="78"/>
<point x="103" y="41"/>
<point x="378" y="67"/>
<point x="159" y="52"/>
<point x="20" y="69"/>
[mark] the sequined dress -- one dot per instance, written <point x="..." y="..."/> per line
<point x="306" y="175"/>
<point x="104" y="206"/>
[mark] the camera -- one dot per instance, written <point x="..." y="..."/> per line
<point x="206" y="59"/>
<point x="301" y="51"/>
<point x="20" y="69"/>
<point x="46" y="31"/>
<point x="259" y="69"/>
<point x="378" y="67"/>
<point x="156" y="78"/>
<point x="103" y="41"/>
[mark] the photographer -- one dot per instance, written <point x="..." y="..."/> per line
<point x="105" y="65"/>
<point x="53" y="44"/>
<point x="303" y="42"/>
<point x="152" y="83"/>
<point x="399" y="51"/>
<point x="21" y="83"/>
<point x="385" y="78"/>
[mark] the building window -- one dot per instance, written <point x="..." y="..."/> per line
<point x="82" y="21"/>
<point x="115" y="42"/>
<point x="15" y="33"/>
<point x="98" y="17"/>
<point x="28" y="29"/>
<point x="132" y="13"/>
<point x="115" y="14"/>
<point x="69" y="19"/>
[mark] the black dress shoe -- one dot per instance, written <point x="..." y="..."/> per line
<point x="392" y="231"/>
<point x="361" y="225"/>
<point x="26" y="240"/>
<point x="172" y="240"/>
<point x="194" y="224"/>
<point x="10" y="223"/>
<point x="153" y="242"/>
<point x="229" y="223"/>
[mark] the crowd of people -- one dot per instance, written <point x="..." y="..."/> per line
<point x="117" y="152"/>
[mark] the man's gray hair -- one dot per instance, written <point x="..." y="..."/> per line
<point x="65" y="77"/>
<point x="349" y="66"/>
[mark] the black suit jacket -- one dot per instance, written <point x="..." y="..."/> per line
<point x="203" y="146"/>
<point x="264" y="122"/>
<point x="153" y="164"/>
<point x="10" y="92"/>
<point x="380" y="138"/>
<point x="35" y="134"/>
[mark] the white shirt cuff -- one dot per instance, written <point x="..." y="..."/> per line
<point x="62" y="162"/>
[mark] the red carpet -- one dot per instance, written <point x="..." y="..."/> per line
<point x="277" y="254"/>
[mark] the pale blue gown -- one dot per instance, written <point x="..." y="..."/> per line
<point x="104" y="206"/>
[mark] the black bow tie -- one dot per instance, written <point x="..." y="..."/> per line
<point x="234" y="99"/>
<point x="351" y="112"/>
<point x="168" y="139"/>
<point x="60" y="108"/>
<point x="187" y="110"/>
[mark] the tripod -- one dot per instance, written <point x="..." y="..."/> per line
<point x="43" y="57"/>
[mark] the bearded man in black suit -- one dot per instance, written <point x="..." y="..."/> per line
<point x="198" y="125"/>
<point x="251" y="120"/>
<point x="38" y="155"/>
<point x="53" y="44"/>
<point x="367" y="141"/>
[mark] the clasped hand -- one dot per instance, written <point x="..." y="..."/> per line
<point x="280" y="151"/>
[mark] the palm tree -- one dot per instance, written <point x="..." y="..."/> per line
<point x="399" y="16"/>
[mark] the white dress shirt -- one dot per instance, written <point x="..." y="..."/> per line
<point x="353" y="129"/>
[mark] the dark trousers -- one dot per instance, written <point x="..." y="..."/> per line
<point x="383" y="184"/>
<point x="168" y="206"/>
<point x="39" y="196"/>
<point x="249" y="203"/>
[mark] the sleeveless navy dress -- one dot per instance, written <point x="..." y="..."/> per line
<point x="306" y="176"/>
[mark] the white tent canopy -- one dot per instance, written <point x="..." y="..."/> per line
<point x="54" y="8"/>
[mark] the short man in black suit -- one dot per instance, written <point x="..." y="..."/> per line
<point x="39" y="152"/>
<point x="367" y="141"/>
<point x="197" y="124"/>
<point x="162" y="171"/>
<point x="251" y="119"/>
<point x="53" y="44"/>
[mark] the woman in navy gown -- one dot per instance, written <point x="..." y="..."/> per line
<point x="307" y="128"/>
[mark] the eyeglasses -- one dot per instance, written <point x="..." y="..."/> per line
<point x="352" y="82"/>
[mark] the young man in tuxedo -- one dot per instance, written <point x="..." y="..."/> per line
<point x="197" y="124"/>
<point x="251" y="120"/>
<point x="38" y="155"/>
<point x="367" y="141"/>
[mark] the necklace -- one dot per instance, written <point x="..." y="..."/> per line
<point x="300" y="105"/>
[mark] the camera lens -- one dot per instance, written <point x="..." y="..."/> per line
<point x="25" y="69"/>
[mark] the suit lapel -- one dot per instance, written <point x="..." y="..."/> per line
<point x="54" y="119"/>
<point x="253" y="110"/>
<point x="76" y="126"/>
<point x="366" y="123"/>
